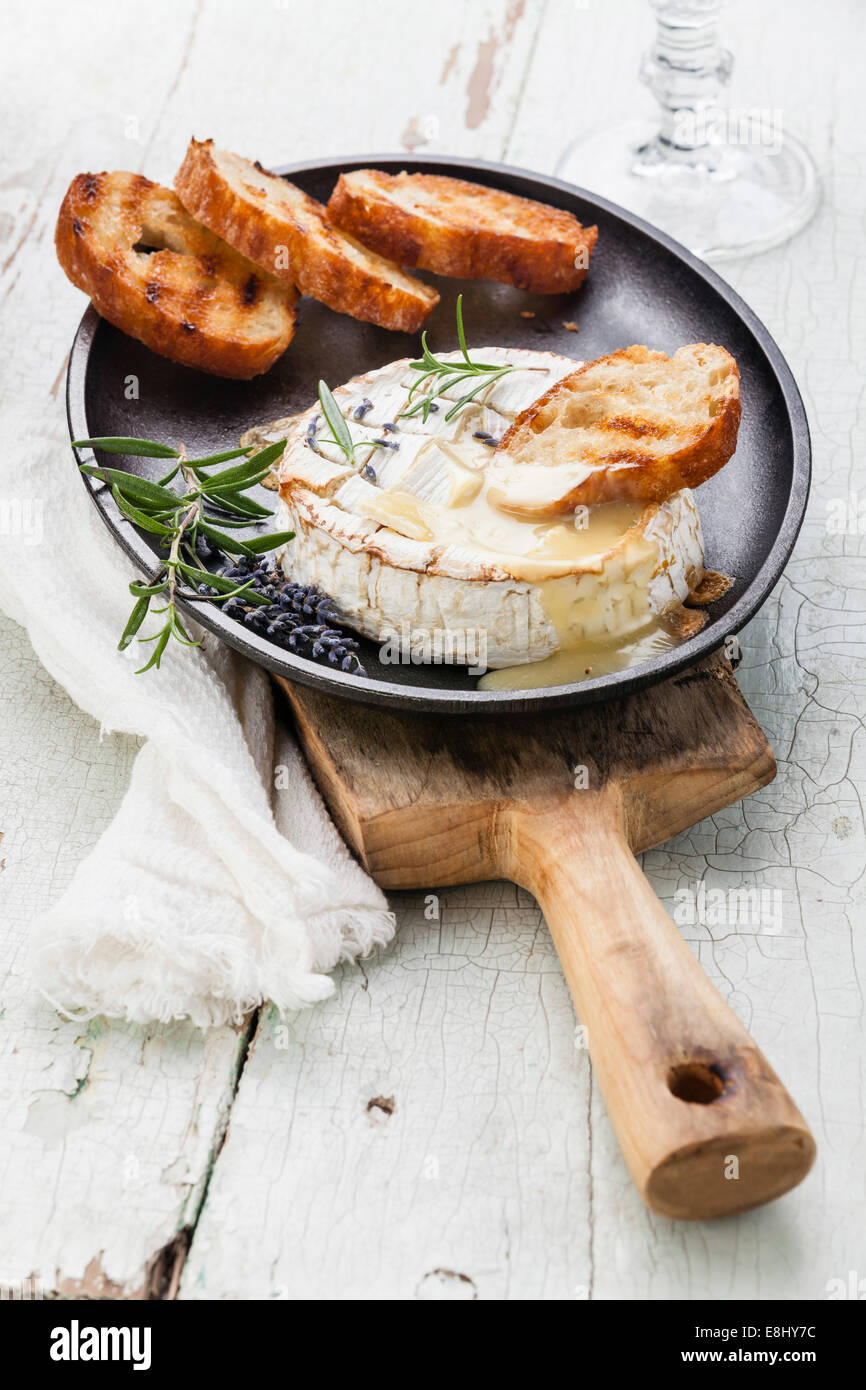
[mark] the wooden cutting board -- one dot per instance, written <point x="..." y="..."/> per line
<point x="561" y="806"/>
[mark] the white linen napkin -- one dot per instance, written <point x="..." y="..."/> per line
<point x="222" y="882"/>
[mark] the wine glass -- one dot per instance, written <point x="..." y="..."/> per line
<point x="724" y="181"/>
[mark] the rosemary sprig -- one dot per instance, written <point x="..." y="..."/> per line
<point x="340" y="432"/>
<point x="431" y="372"/>
<point x="185" y="524"/>
<point x="447" y="374"/>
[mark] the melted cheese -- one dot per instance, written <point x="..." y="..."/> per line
<point x="468" y="516"/>
<point x="518" y="487"/>
<point x="584" y="661"/>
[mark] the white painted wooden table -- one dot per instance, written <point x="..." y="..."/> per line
<point x="136" y="1161"/>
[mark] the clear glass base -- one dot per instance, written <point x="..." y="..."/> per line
<point x="730" y="200"/>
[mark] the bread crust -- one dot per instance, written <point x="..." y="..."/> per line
<point x="462" y="229"/>
<point x="628" y="473"/>
<point x="246" y="205"/>
<point x="194" y="300"/>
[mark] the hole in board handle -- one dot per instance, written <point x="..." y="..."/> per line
<point x="699" y="1083"/>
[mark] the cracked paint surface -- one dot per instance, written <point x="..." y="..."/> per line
<point x="468" y="1024"/>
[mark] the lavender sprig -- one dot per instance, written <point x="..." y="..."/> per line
<point x="298" y="617"/>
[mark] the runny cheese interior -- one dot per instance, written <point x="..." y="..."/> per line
<point x="452" y="505"/>
<point x="595" y="574"/>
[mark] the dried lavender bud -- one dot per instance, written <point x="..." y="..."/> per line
<point x="312" y="431"/>
<point x="285" y="620"/>
<point x="205" y="549"/>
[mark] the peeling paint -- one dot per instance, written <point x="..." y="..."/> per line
<point x="482" y="80"/>
<point x="386" y="1105"/>
<point x="94" y="1283"/>
<point x="413" y="136"/>
<point x="478" y="91"/>
<point x="448" y="65"/>
<point x="51" y="1117"/>
<point x="446" y="1285"/>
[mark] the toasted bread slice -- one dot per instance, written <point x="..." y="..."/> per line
<point x="281" y="228"/>
<point x="633" y="427"/>
<point x="160" y="277"/>
<point x="461" y="229"/>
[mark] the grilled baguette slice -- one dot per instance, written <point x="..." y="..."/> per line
<point x="192" y="299"/>
<point x="636" y="426"/>
<point x="279" y="227"/>
<point x="461" y="229"/>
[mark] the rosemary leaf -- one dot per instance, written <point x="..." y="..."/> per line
<point x="211" y="460"/>
<point x="232" y="484"/>
<point x="162" y="639"/>
<point x="464" y="400"/>
<point x="336" y="421"/>
<point x="136" y="618"/>
<point x="461" y="336"/>
<point x="244" y="473"/>
<point x="147" y="590"/>
<point x="237" y="503"/>
<point x="180" y="632"/>
<point x="147" y="523"/>
<point x="115" y="444"/>
<point x="228" y="543"/>
<point x="230" y="520"/>
<point x="228" y="588"/>
<point x="136" y="489"/>
<point x="260" y="545"/>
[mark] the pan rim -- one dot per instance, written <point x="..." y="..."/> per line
<point x="370" y="690"/>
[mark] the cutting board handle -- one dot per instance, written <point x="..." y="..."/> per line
<point x="705" y="1125"/>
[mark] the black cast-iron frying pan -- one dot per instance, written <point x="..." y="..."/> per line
<point x="642" y="288"/>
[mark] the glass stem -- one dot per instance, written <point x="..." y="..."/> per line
<point x="686" y="69"/>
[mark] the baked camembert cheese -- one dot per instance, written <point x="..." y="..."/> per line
<point x="406" y="536"/>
